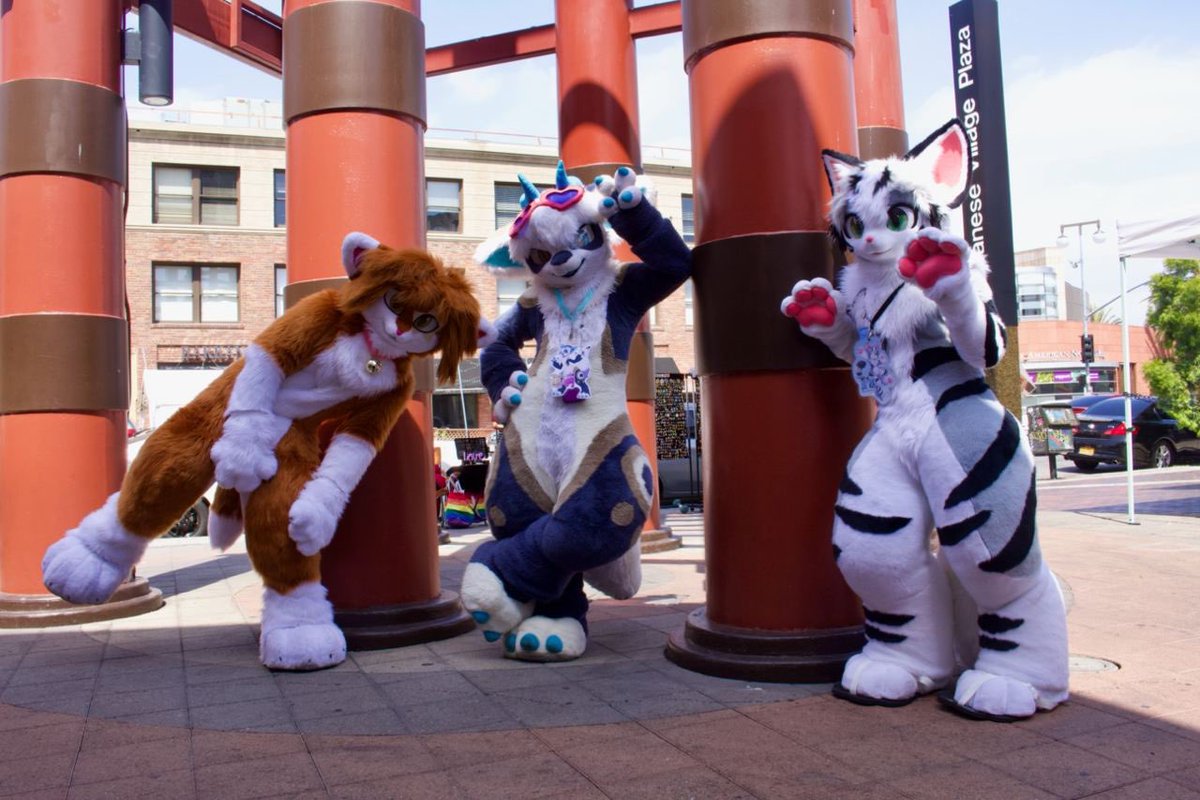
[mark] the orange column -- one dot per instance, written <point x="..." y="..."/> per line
<point x="598" y="132"/>
<point x="878" y="93"/>
<point x="354" y="104"/>
<point x="64" y="347"/>
<point x="771" y="84"/>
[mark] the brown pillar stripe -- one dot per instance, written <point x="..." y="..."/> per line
<point x="63" y="362"/>
<point x="711" y="23"/>
<point x="354" y="55"/>
<point x="881" y="142"/>
<point x="61" y="126"/>
<point x="424" y="375"/>
<point x="639" y="380"/>
<point x="589" y="172"/>
<point x="295" y="292"/>
<point x="749" y="277"/>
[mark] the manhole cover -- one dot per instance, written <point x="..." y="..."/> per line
<point x="1092" y="664"/>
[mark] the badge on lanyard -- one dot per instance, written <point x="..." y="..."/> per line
<point x="569" y="373"/>
<point x="871" y="367"/>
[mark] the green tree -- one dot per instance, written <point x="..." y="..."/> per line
<point x="1175" y="318"/>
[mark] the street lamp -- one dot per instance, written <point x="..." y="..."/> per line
<point x="1098" y="238"/>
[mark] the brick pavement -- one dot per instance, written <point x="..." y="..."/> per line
<point x="173" y="704"/>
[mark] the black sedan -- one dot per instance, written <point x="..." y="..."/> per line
<point x="1158" y="441"/>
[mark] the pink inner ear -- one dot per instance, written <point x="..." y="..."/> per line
<point x="947" y="170"/>
<point x="357" y="254"/>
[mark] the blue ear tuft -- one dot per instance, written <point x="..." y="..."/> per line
<point x="500" y="257"/>
<point x="560" y="176"/>
<point x="531" y="191"/>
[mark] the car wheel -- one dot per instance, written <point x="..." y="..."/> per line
<point x="1087" y="466"/>
<point x="1163" y="456"/>
<point x="194" y="521"/>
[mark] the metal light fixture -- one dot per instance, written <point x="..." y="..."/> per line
<point x="152" y="49"/>
<point x="1098" y="236"/>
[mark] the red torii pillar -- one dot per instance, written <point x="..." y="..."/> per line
<point x="354" y="105"/>
<point x="771" y="85"/>
<point x="64" y="343"/>
<point x="598" y="132"/>
<point x="878" y="93"/>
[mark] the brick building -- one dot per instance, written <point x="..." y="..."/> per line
<point x="206" y="256"/>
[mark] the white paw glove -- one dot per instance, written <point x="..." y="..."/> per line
<point x="815" y="305"/>
<point x="621" y="191"/>
<point x="939" y="263"/>
<point x="244" y="456"/>
<point x="510" y="396"/>
<point x="313" y="517"/>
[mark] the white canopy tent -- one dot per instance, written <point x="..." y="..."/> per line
<point x="1175" y="236"/>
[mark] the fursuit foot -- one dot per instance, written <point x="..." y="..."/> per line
<point x="298" y="632"/>
<point x="996" y="698"/>
<point x="546" y="639"/>
<point x="484" y="597"/>
<point x="869" y="682"/>
<point x="90" y="562"/>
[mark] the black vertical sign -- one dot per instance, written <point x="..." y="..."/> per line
<point x="979" y="103"/>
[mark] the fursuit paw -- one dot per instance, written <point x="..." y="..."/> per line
<point x="546" y="639"/>
<point x="91" y="561"/>
<point x="302" y="647"/>
<point x="870" y="682"/>
<point x="510" y="396"/>
<point x="937" y="262"/>
<point x="493" y="610"/>
<point x="624" y="190"/>
<point x="987" y="696"/>
<point x="313" y="517"/>
<point x="813" y="304"/>
<point x="244" y="456"/>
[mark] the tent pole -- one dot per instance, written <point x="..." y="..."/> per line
<point x="1128" y="403"/>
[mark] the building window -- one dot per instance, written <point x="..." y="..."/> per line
<point x="687" y="304"/>
<point x="280" y="198"/>
<point x="443" y="204"/>
<point x="508" y="203"/>
<point x="195" y="195"/>
<point x="652" y="316"/>
<point x="689" y="220"/>
<point x="280" y="284"/>
<point x="448" y="411"/>
<point x="507" y="292"/>
<point x="194" y="293"/>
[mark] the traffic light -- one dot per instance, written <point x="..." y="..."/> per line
<point x="1086" y="349"/>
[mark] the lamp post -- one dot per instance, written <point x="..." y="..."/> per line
<point x="1098" y="238"/>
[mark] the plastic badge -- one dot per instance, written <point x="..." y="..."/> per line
<point x="870" y="367"/>
<point x="569" y="373"/>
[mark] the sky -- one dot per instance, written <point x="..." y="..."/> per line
<point x="1102" y="105"/>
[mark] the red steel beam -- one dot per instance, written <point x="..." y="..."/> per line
<point x="254" y="35"/>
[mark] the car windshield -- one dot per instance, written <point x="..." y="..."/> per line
<point x="1115" y="407"/>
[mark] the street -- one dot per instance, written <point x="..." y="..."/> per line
<point x="1174" y="491"/>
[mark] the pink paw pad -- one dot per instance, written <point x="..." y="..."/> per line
<point x="813" y="306"/>
<point x="927" y="261"/>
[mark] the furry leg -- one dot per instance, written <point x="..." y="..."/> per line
<point x="224" y="519"/>
<point x="298" y="631"/>
<point x="90" y="562"/>
<point x="619" y="579"/>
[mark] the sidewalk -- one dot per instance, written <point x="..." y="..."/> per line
<point x="174" y="705"/>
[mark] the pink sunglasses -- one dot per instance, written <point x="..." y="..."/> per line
<point x="558" y="199"/>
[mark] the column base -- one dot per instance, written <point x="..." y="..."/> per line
<point x="725" y="651"/>
<point x="41" y="610"/>
<point x="659" y="540"/>
<point x="383" y="627"/>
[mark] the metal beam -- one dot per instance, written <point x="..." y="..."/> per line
<point x="252" y="34"/>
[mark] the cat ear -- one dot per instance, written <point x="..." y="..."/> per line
<point x="943" y="163"/>
<point x="354" y="246"/>
<point x="838" y="169"/>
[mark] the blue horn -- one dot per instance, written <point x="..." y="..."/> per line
<point x="560" y="177"/>
<point x="531" y="192"/>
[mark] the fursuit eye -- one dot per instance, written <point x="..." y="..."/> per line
<point x="901" y="217"/>
<point x="392" y="301"/>
<point x="425" y="323"/>
<point x="537" y="259"/>
<point x="584" y="236"/>
<point x="853" y="227"/>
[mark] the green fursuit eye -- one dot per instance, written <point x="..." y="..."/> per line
<point x="425" y="323"/>
<point x="853" y="227"/>
<point x="900" y="217"/>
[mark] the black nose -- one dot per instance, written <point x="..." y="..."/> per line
<point x="561" y="257"/>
